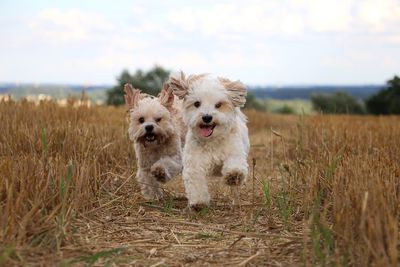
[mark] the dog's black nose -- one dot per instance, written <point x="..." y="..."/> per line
<point x="207" y="118"/>
<point x="149" y="128"/>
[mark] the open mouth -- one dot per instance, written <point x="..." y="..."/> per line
<point x="206" y="130"/>
<point x="150" y="137"/>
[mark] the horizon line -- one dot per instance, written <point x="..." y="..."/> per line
<point x="275" y="85"/>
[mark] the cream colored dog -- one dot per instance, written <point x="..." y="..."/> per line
<point x="156" y="130"/>
<point x="217" y="140"/>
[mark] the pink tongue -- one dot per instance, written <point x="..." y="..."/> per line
<point x="206" y="131"/>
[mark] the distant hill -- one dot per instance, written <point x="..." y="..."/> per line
<point x="98" y="92"/>
<point x="305" y="92"/>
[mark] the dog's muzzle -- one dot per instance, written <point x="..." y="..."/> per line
<point x="150" y="137"/>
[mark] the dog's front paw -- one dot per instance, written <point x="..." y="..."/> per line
<point x="234" y="178"/>
<point x="159" y="173"/>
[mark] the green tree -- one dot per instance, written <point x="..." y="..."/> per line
<point x="386" y="101"/>
<point x="338" y="103"/>
<point x="149" y="82"/>
<point x="252" y="102"/>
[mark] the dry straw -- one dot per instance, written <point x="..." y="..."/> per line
<point x="324" y="190"/>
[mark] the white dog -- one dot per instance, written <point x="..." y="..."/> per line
<point x="156" y="128"/>
<point x="217" y="140"/>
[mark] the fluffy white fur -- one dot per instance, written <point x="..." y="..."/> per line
<point x="219" y="147"/>
<point x="158" y="152"/>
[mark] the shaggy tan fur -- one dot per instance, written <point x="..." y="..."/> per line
<point x="156" y="129"/>
<point x="236" y="90"/>
<point x="182" y="85"/>
<point x="217" y="140"/>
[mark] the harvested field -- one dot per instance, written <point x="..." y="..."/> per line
<point x="322" y="191"/>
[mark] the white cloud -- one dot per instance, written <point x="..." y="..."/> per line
<point x="242" y="18"/>
<point x="325" y="16"/>
<point x="229" y="37"/>
<point x="73" y="25"/>
<point x="139" y="10"/>
<point x="392" y="39"/>
<point x="291" y="17"/>
<point x="380" y="15"/>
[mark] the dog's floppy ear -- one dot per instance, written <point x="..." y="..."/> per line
<point x="132" y="96"/>
<point x="180" y="85"/>
<point x="166" y="96"/>
<point x="237" y="91"/>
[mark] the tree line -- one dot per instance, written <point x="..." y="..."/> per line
<point x="151" y="82"/>
<point x="386" y="101"/>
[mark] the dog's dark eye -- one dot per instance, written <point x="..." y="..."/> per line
<point x="197" y="104"/>
<point x="141" y="120"/>
<point x="158" y="119"/>
<point x="218" y="105"/>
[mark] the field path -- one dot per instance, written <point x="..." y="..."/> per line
<point x="238" y="229"/>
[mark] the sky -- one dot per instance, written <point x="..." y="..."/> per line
<point x="266" y="42"/>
